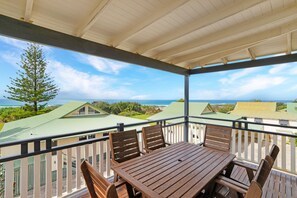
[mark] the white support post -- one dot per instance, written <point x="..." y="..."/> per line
<point x="94" y="153"/>
<point x="246" y="136"/>
<point x="59" y="173"/>
<point x="101" y="157"/>
<point x="107" y="159"/>
<point x="275" y="142"/>
<point x="252" y="146"/>
<point x="293" y="154"/>
<point x="239" y="143"/>
<point x="233" y="141"/>
<point x="283" y="151"/>
<point x="78" y="173"/>
<point x="259" y="147"/>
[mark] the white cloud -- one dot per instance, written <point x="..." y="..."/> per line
<point x="19" y="44"/>
<point x="140" y="97"/>
<point x="77" y="84"/>
<point x="11" y="58"/>
<point x="103" y="65"/>
<point x="237" y="75"/>
<point x="279" y="68"/>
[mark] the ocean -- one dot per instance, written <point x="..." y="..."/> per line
<point x="11" y="103"/>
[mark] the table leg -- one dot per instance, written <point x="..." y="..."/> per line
<point x="130" y="190"/>
<point x="229" y="170"/>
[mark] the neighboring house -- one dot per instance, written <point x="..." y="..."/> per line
<point x="199" y="109"/>
<point x="69" y="118"/>
<point x="265" y="112"/>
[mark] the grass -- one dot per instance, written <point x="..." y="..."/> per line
<point x="142" y="116"/>
<point x="1" y="125"/>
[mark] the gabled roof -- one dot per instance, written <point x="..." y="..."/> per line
<point x="292" y="107"/>
<point x="55" y="123"/>
<point x="261" y="110"/>
<point x="177" y="109"/>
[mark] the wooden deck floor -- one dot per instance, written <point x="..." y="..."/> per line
<point x="278" y="185"/>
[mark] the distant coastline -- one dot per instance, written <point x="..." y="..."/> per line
<point x="11" y="103"/>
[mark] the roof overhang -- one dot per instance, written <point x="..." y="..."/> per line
<point x="174" y="36"/>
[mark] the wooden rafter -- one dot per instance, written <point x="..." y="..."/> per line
<point x="199" y="23"/>
<point x="28" y="10"/>
<point x="143" y="23"/>
<point x="248" y="40"/>
<point x="251" y="53"/>
<point x="289" y="43"/>
<point x="225" y="60"/>
<point x="92" y="18"/>
<point x="277" y="17"/>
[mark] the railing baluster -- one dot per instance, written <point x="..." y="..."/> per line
<point x="239" y="143"/>
<point x="246" y="137"/>
<point x="259" y="147"/>
<point x="293" y="153"/>
<point x="94" y="153"/>
<point x="283" y="151"/>
<point x="36" y="192"/>
<point x="69" y="170"/>
<point x="78" y="174"/>
<point x="252" y="146"/>
<point x="233" y="141"/>
<point x="266" y="144"/>
<point x="86" y="152"/>
<point x="107" y="159"/>
<point x="276" y="143"/>
<point x="48" y="183"/>
<point x="9" y="175"/>
<point x="59" y="173"/>
<point x="101" y="158"/>
<point x="24" y="177"/>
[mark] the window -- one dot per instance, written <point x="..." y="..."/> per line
<point x="91" y="136"/>
<point x="93" y="111"/>
<point x="258" y="120"/>
<point x="284" y="122"/>
<point x="54" y="144"/>
<point x="82" y="111"/>
<point x="82" y="138"/>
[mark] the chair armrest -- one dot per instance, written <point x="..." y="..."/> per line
<point x="114" y="163"/>
<point x="244" y="165"/>
<point x="238" y="187"/>
<point x="120" y="182"/>
<point x="147" y="150"/>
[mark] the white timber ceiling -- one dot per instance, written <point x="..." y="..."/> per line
<point x="186" y="33"/>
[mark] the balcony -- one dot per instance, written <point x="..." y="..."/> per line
<point x="54" y="171"/>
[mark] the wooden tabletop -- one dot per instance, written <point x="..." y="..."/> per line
<point x="179" y="170"/>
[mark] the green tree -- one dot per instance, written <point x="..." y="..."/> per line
<point x="2" y="179"/>
<point x="32" y="85"/>
<point x="180" y="100"/>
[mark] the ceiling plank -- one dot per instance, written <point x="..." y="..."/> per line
<point x="28" y="10"/>
<point x="289" y="43"/>
<point x="92" y="18"/>
<point x="276" y="18"/>
<point x="199" y="23"/>
<point x="251" y="53"/>
<point x="247" y="64"/>
<point x="251" y="39"/>
<point x="148" y="20"/>
<point x="29" y="32"/>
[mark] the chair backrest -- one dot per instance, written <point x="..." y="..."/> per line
<point x="124" y="145"/>
<point x="218" y="137"/>
<point x="255" y="189"/>
<point x="274" y="152"/>
<point x="97" y="185"/>
<point x="153" y="137"/>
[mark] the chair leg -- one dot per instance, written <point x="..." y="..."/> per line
<point x="130" y="190"/>
<point x="115" y="178"/>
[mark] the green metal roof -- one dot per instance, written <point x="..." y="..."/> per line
<point x="292" y="107"/>
<point x="54" y="123"/>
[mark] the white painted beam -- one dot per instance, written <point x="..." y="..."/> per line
<point x="148" y="20"/>
<point x="251" y="40"/>
<point x="92" y="18"/>
<point x="199" y="23"/>
<point x="28" y="10"/>
<point x="289" y="43"/>
<point x="277" y="18"/>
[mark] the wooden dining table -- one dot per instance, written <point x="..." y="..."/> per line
<point x="179" y="170"/>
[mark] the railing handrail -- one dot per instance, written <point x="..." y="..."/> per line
<point x="52" y="137"/>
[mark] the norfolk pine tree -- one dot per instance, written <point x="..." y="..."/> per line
<point x="32" y="85"/>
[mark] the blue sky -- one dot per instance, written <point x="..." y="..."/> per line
<point x="81" y="76"/>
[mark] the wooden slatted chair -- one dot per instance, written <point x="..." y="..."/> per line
<point x="217" y="137"/>
<point x="97" y="185"/>
<point x="237" y="189"/>
<point x="250" y="169"/>
<point x="124" y="146"/>
<point x="153" y="138"/>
